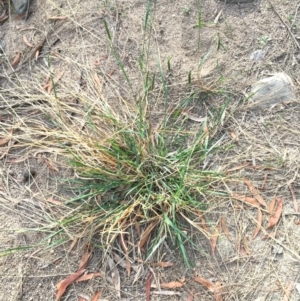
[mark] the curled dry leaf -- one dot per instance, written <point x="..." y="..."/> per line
<point x="255" y="193"/>
<point x="89" y="276"/>
<point x="97" y="296"/>
<point x="259" y="221"/>
<point x="163" y="264"/>
<point x="272" y="205"/>
<point x="27" y="42"/>
<point x="148" y="286"/>
<point x="214" y="239"/>
<point x="62" y="285"/>
<point x="288" y="291"/>
<point x="224" y="227"/>
<point x="16" y="60"/>
<point x="274" y="218"/>
<point x="238" y="167"/>
<point x="146" y="234"/>
<point x="172" y="284"/>
<point x="215" y="288"/>
<point x="245" y="199"/>
<point x="190" y="296"/>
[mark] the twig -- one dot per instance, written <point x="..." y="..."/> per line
<point x="287" y="27"/>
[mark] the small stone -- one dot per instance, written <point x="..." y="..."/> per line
<point x="257" y="55"/>
<point x="277" y="250"/>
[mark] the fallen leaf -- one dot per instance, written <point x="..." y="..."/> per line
<point x="148" y="286"/>
<point x="190" y="296"/>
<point x="193" y="116"/>
<point x="259" y="221"/>
<point x="82" y="299"/>
<point x="62" y="285"/>
<point x="287" y="292"/>
<point x="274" y="218"/>
<point x="264" y="182"/>
<point x="208" y="284"/>
<point x="224" y="227"/>
<point x="55" y="202"/>
<point x="16" y="60"/>
<point x="115" y="275"/>
<point x="172" y="284"/>
<point x="296" y="207"/>
<point x="233" y="136"/>
<point x="163" y="264"/>
<point x="27" y="42"/>
<point x="4" y="141"/>
<point x="214" y="239"/>
<point x="272" y="205"/>
<point x="248" y="200"/>
<point x="89" y="276"/>
<point x="85" y="258"/>
<point x="97" y="296"/>
<point x="255" y="193"/>
<point x="238" y="167"/>
<point x="146" y="234"/>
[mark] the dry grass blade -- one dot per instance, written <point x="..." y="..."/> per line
<point x="296" y="207"/>
<point x="255" y="193"/>
<point x="274" y="218"/>
<point x="163" y="264"/>
<point x="259" y="222"/>
<point x="115" y="275"/>
<point x="238" y="167"/>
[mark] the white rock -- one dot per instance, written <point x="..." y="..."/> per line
<point x="273" y="90"/>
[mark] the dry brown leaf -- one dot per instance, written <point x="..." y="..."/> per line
<point x="238" y="167"/>
<point x="55" y="202"/>
<point x="146" y="234"/>
<point x="274" y="218"/>
<point x="172" y="284"/>
<point x="163" y="264"/>
<point x="245" y="199"/>
<point x="190" y="296"/>
<point x="272" y="205"/>
<point x="259" y="221"/>
<point x="89" y="276"/>
<point x="4" y="141"/>
<point x="148" y="286"/>
<point x="296" y="207"/>
<point x="82" y="299"/>
<point x="214" y="239"/>
<point x="255" y="193"/>
<point x="62" y="285"/>
<point x="85" y="258"/>
<point x="203" y="223"/>
<point x="224" y="227"/>
<point x="288" y="291"/>
<point x="27" y="42"/>
<point x="97" y="296"/>
<point x="234" y="136"/>
<point x="16" y="60"/>
<point x="208" y="284"/>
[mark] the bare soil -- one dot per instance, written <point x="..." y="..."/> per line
<point x="268" y="140"/>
